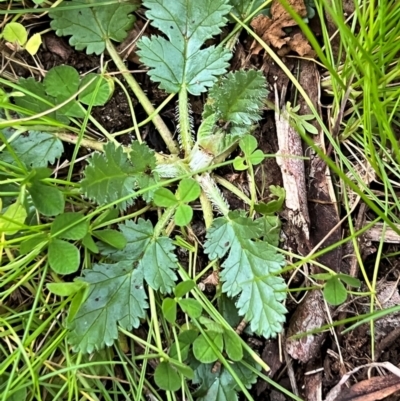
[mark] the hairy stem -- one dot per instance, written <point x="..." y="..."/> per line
<point x="163" y="221"/>
<point x="184" y="122"/>
<point x="143" y="99"/>
<point x="213" y="193"/>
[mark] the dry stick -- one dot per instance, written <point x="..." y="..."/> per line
<point x="143" y="99"/>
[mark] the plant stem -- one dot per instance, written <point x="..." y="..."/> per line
<point x="143" y="99"/>
<point x="154" y="319"/>
<point x="213" y="193"/>
<point x="184" y="122"/>
<point x="99" y="146"/>
<point x="206" y="207"/>
<point x="163" y="221"/>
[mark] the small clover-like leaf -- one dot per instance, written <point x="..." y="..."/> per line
<point x="169" y="309"/>
<point x="111" y="237"/>
<point x="181" y="62"/>
<point x="90" y="27"/>
<point x="116" y="296"/>
<point x="202" y="350"/>
<point x="256" y="157"/>
<point x="321" y="276"/>
<point x="274" y="205"/>
<point x="15" y="32"/>
<point x="163" y="197"/>
<point x="185" y="340"/>
<point x="64" y="258"/>
<point x="188" y="190"/>
<point x="248" y="144"/>
<point x="166" y="377"/>
<point x="191" y="307"/>
<point x="239" y="163"/>
<point x="96" y="93"/>
<point x="349" y="280"/>
<point x="89" y="243"/>
<point x="334" y="291"/>
<point x="76" y="232"/>
<point x="48" y="200"/>
<point x="183" y="288"/>
<point x="33" y="44"/>
<point x="65" y="289"/>
<point x="233" y="346"/>
<point x="61" y="80"/>
<point x="183" y="215"/>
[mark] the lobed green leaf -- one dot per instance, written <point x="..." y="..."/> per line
<point x="89" y="28"/>
<point x="249" y="271"/>
<point x="181" y="62"/>
<point x="116" y="296"/>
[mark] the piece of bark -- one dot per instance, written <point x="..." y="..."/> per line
<point x="309" y="315"/>
<point x="377" y="234"/>
<point x="57" y="45"/>
<point x="293" y="173"/>
<point x="322" y="203"/>
<point x="336" y="392"/>
<point x="313" y="382"/>
<point x="375" y="388"/>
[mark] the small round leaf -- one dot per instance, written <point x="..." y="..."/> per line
<point x="15" y="32"/>
<point x="48" y="200"/>
<point x="163" y="197"/>
<point x="64" y="258"/>
<point x="334" y="291"/>
<point x="191" y="307"/>
<point x="188" y="190"/>
<point x="248" y="144"/>
<point x="169" y="309"/>
<point x="65" y="289"/>
<point x="62" y="221"/>
<point x="257" y="157"/>
<point x="185" y="340"/>
<point x="183" y="215"/>
<point x="62" y="80"/>
<point x="233" y="346"/>
<point x="93" y="95"/>
<point x="202" y="349"/>
<point x="349" y="280"/>
<point x="166" y="377"/>
<point x="183" y="288"/>
<point x="111" y="237"/>
<point x="33" y="44"/>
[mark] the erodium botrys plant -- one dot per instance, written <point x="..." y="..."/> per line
<point x="136" y="268"/>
